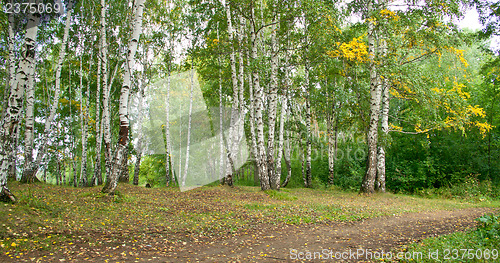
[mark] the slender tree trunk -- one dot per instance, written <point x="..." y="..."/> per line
<point x="139" y="149"/>
<point x="221" y="118"/>
<point x="307" y="179"/>
<point x="106" y="114"/>
<point x="251" y="109"/>
<point x="30" y="166"/>
<point x="331" y="144"/>
<point x="280" y="140"/>
<point x="167" y="129"/>
<point x="84" y="125"/>
<point x="121" y="148"/>
<point x="12" y="116"/>
<point x="380" y="184"/>
<point x="274" y="176"/>
<point x="287" y="155"/>
<point x="233" y="130"/>
<point x="105" y="132"/>
<point x="259" y="108"/>
<point x="97" y="177"/>
<point x="188" y="145"/>
<point x="368" y="184"/>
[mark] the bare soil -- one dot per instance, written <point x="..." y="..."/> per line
<point x="271" y="243"/>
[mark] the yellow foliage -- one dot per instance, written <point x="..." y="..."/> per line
<point x="484" y="127"/>
<point x="476" y="111"/>
<point x="355" y="50"/>
<point x="395" y="128"/>
<point x="457" y="87"/>
<point x="389" y="14"/>
<point x="460" y="55"/>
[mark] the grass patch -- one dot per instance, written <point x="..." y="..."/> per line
<point x="280" y="195"/>
<point x="85" y="215"/>
<point x="479" y="245"/>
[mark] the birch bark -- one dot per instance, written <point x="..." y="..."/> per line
<point x="380" y="184"/>
<point x="121" y="149"/>
<point x="31" y="167"/>
<point x="188" y="145"/>
<point x="137" y="167"/>
<point x="233" y="130"/>
<point x="259" y="108"/>
<point x="274" y="177"/>
<point x="84" y="125"/>
<point x="368" y="183"/>
<point x="12" y="117"/>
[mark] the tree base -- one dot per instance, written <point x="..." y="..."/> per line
<point x="6" y="196"/>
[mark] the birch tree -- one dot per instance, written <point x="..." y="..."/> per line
<point x="30" y="166"/>
<point x="367" y="185"/>
<point x="120" y="152"/>
<point x="259" y="108"/>
<point x="12" y="116"/>
<point x="274" y="177"/>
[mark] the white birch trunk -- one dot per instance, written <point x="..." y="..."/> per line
<point x="106" y="115"/>
<point x="137" y="167"/>
<point x="167" y="129"/>
<point x="281" y="139"/>
<point x="12" y="116"/>
<point x="221" y="117"/>
<point x="274" y="177"/>
<point x="380" y="184"/>
<point x="253" y="137"/>
<point x="287" y="154"/>
<point x="188" y="144"/>
<point x="28" y="174"/>
<point x="97" y="177"/>
<point x="30" y="166"/>
<point x="259" y="108"/>
<point x="332" y="144"/>
<point x="233" y="130"/>
<point x="84" y="128"/>
<point x="11" y="86"/>
<point x="368" y="183"/>
<point x="12" y="57"/>
<point x="121" y="149"/>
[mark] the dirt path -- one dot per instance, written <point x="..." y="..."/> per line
<point x="285" y="244"/>
<point x="278" y="243"/>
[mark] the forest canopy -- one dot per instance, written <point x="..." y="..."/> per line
<point x="367" y="95"/>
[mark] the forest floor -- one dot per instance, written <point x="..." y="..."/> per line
<point x="219" y="224"/>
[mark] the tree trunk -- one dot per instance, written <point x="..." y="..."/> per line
<point x="233" y="130"/>
<point x="188" y="144"/>
<point x="139" y="149"/>
<point x="84" y="125"/>
<point x="280" y="141"/>
<point x="167" y="129"/>
<point x="332" y="133"/>
<point x="121" y="149"/>
<point x="12" y="117"/>
<point x="368" y="184"/>
<point x="106" y="114"/>
<point x="274" y="176"/>
<point x="287" y="155"/>
<point x="221" y="118"/>
<point x="380" y="184"/>
<point x="31" y="167"/>
<point x="259" y="108"/>
<point x="29" y="175"/>
<point x="104" y="122"/>
<point x="251" y="109"/>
